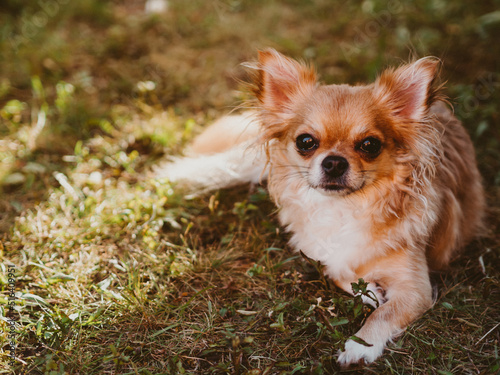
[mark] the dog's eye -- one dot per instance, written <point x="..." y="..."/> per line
<point x="370" y="146"/>
<point x="306" y="143"/>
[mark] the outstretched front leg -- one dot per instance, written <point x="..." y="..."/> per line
<point x="402" y="286"/>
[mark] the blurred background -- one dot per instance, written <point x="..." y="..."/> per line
<point x="94" y="92"/>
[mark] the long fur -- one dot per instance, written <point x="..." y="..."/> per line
<point x="396" y="215"/>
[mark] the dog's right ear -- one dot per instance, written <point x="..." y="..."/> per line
<point x="280" y="85"/>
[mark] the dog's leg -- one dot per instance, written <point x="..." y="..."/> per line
<point x="238" y="165"/>
<point x="376" y="294"/>
<point x="225" y="154"/>
<point x="404" y="278"/>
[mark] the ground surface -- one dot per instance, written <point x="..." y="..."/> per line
<point x="116" y="273"/>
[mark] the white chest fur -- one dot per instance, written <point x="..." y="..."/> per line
<point x="328" y="229"/>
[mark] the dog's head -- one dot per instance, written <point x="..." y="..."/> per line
<point x="341" y="139"/>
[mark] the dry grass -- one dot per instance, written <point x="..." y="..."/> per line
<point x="119" y="273"/>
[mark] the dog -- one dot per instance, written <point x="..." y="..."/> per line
<point x="374" y="181"/>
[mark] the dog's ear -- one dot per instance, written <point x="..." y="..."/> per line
<point x="409" y="90"/>
<point x="281" y="83"/>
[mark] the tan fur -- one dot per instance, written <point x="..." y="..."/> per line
<point x="223" y="134"/>
<point x="393" y="215"/>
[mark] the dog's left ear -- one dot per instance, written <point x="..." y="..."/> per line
<point x="410" y="90"/>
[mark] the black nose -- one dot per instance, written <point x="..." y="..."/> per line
<point x="335" y="166"/>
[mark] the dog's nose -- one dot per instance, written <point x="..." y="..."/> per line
<point x="335" y="166"/>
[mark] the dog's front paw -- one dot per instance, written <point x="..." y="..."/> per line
<point x="355" y="353"/>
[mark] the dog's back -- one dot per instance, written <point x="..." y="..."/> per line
<point x="460" y="189"/>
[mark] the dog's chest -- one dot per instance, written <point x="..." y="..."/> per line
<point x="331" y="231"/>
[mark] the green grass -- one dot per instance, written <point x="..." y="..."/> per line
<point x="119" y="273"/>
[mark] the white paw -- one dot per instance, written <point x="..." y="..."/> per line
<point x="354" y="353"/>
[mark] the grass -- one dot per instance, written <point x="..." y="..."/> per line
<point x="119" y="273"/>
